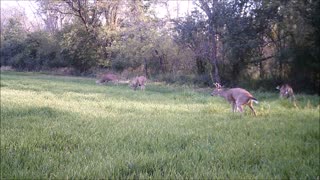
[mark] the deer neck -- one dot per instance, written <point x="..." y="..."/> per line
<point x="223" y="93"/>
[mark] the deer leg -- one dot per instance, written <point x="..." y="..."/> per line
<point x="233" y="107"/>
<point x="251" y="107"/>
<point x="281" y="96"/>
<point x="292" y="98"/>
<point x="239" y="107"/>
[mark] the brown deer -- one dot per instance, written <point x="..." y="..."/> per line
<point x="286" y="91"/>
<point x="107" y="78"/>
<point x="139" y="81"/>
<point x="237" y="97"/>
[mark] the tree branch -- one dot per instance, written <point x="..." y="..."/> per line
<point x="259" y="60"/>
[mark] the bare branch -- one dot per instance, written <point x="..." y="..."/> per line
<point x="260" y="60"/>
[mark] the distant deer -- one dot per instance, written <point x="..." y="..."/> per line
<point x="237" y="97"/>
<point x="107" y="78"/>
<point x="139" y="81"/>
<point x="286" y="91"/>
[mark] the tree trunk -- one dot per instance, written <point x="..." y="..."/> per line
<point x="200" y="66"/>
<point x="280" y="69"/>
<point x="261" y="70"/>
<point x="161" y="63"/>
<point x="146" y="68"/>
<point x="235" y="72"/>
<point x="214" y="59"/>
<point x="216" y="71"/>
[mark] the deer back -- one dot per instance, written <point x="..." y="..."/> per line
<point x="107" y="77"/>
<point x="225" y="93"/>
<point x="142" y="80"/>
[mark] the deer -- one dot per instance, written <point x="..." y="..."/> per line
<point x="107" y="78"/>
<point x="139" y="81"/>
<point x="237" y="97"/>
<point x="286" y="91"/>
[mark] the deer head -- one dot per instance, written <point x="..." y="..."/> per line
<point x="218" y="90"/>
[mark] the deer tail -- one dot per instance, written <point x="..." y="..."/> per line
<point x="255" y="100"/>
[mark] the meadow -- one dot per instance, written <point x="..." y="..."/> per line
<point x="59" y="127"/>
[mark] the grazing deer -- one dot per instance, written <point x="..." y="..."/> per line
<point x="237" y="97"/>
<point x="139" y="81"/>
<point x="107" y="77"/>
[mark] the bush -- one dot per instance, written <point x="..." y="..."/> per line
<point x="172" y="78"/>
<point x="79" y="48"/>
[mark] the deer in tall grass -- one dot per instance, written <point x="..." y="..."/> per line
<point x="139" y="81"/>
<point x="286" y="91"/>
<point x="237" y="97"/>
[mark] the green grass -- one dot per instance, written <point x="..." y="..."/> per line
<point x="67" y="127"/>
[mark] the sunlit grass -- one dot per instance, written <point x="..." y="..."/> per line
<point x="69" y="127"/>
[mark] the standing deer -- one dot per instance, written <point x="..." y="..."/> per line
<point x="107" y="77"/>
<point x="286" y="91"/>
<point x="237" y="97"/>
<point x="139" y="81"/>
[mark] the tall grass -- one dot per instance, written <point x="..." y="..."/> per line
<point x="68" y="127"/>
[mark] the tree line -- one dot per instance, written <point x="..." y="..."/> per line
<point x="251" y="43"/>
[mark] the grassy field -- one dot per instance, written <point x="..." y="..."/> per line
<point x="68" y="127"/>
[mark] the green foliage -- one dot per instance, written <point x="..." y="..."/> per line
<point x="68" y="127"/>
<point x="182" y="79"/>
<point x="242" y="38"/>
<point x="28" y="50"/>
<point x="238" y="41"/>
<point x="306" y="48"/>
<point x="295" y="37"/>
<point x="12" y="43"/>
<point x="132" y="51"/>
<point x="258" y="40"/>
<point x="42" y="51"/>
<point x="135" y="46"/>
<point x="192" y="32"/>
<point x="79" y="48"/>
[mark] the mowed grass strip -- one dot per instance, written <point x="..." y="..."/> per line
<point x="69" y="127"/>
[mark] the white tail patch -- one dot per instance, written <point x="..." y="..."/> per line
<point x="257" y="102"/>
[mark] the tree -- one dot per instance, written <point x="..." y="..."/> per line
<point x="191" y="32"/>
<point x="211" y="8"/>
<point x="12" y="42"/>
<point x="79" y="48"/>
<point x="242" y="36"/>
